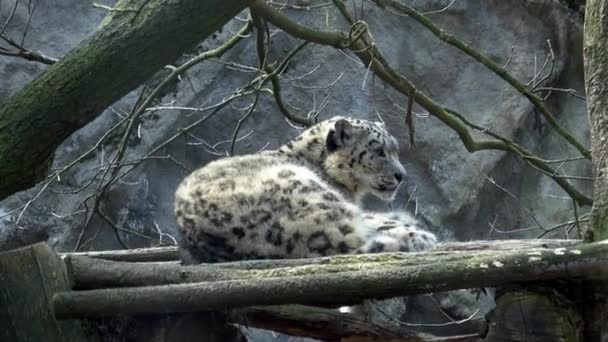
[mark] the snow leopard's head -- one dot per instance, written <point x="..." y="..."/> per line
<point x="363" y="157"/>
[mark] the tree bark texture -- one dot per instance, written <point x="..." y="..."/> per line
<point x="348" y="281"/>
<point x="137" y="38"/>
<point x="596" y="84"/>
<point x="89" y="273"/>
<point x="595" y="54"/>
<point x="542" y="314"/>
<point x="29" y="277"/>
<point x="161" y="254"/>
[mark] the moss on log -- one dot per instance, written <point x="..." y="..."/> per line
<point x="29" y="277"/>
<point x="137" y="38"/>
<point x="366" y="276"/>
<point x="172" y="254"/>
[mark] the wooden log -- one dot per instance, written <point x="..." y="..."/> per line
<point x="331" y="325"/>
<point x="171" y="253"/>
<point x="29" y="277"/>
<point x="348" y="280"/>
<point x="91" y="273"/>
<point x="533" y="314"/>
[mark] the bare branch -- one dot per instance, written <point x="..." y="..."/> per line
<point x="519" y="202"/>
<point x="28" y="55"/>
<point x="408" y="324"/>
<point x="368" y="53"/>
<point x="442" y="9"/>
<point x="409" y="122"/>
<point x="568" y="91"/>
<point x="497" y="69"/>
<point x="138" y="110"/>
<point x="9" y="18"/>
<point x="237" y="128"/>
<point x="533" y="161"/>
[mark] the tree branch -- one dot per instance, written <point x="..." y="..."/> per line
<point x="335" y="39"/>
<point x="28" y="55"/>
<point x="488" y="63"/>
<point x="35" y="120"/>
<point x="363" y="47"/>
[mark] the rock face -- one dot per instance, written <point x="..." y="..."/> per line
<point x="446" y="186"/>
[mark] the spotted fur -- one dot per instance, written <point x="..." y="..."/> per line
<point x="300" y="200"/>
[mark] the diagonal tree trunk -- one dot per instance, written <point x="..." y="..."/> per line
<point x="596" y="84"/>
<point x="137" y="38"/>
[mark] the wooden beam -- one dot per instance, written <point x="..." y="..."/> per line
<point x="172" y="254"/>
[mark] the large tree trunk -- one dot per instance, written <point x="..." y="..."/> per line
<point x="137" y="38"/>
<point x="596" y="84"/>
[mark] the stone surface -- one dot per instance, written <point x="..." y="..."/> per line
<point x="446" y="186"/>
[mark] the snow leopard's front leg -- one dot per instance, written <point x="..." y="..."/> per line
<point x="395" y="236"/>
<point x="390" y="235"/>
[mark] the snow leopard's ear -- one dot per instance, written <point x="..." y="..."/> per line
<point x="340" y="136"/>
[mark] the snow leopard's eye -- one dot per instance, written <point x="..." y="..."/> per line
<point x="380" y="152"/>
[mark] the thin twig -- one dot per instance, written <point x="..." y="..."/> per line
<point x="576" y="219"/>
<point x="29" y="22"/>
<point x="286" y="4"/>
<point x="519" y="202"/>
<point x="497" y="69"/>
<point x="9" y="18"/>
<point x="440" y="10"/>
<point x="138" y="110"/>
<point x="407" y="324"/>
<point x="241" y="121"/>
<point x="533" y="161"/>
<point x="409" y="122"/>
<point x="359" y="44"/>
<point x="568" y="91"/>
<point x="550" y="73"/>
<point x="24" y="53"/>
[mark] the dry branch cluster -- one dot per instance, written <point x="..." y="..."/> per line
<point x="356" y="40"/>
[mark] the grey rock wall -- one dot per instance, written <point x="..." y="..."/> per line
<point x="446" y="186"/>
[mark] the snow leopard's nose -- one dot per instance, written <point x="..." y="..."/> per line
<point x="399" y="176"/>
<point x="398" y="170"/>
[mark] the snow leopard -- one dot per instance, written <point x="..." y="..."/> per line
<point x="301" y="200"/>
